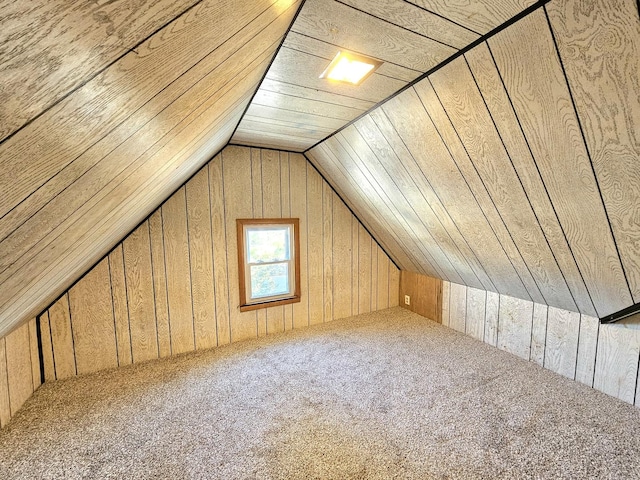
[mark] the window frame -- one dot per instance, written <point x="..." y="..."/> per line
<point x="242" y="262"/>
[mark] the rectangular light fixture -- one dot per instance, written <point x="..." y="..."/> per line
<point x="350" y="68"/>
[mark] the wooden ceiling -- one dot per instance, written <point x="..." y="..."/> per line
<point x="294" y="109"/>
<point x="513" y="168"/>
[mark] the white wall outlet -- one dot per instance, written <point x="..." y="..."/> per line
<point x="407" y="300"/>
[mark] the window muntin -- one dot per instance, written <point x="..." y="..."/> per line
<point x="268" y="262"/>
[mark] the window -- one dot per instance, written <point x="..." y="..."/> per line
<point x="268" y="262"/>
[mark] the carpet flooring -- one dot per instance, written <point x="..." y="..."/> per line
<point x="382" y="395"/>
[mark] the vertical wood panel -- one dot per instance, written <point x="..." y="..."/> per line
<point x="315" y="259"/>
<point x="62" y="339"/>
<point x="120" y="305"/>
<point x="342" y="270"/>
<point x="298" y="197"/>
<point x="394" y="285"/>
<point x="457" y="307"/>
<point x="35" y="354"/>
<point x="383" y="279"/>
<point x="617" y="360"/>
<point x="588" y="341"/>
<point x="492" y="314"/>
<point x="446" y="298"/>
<point x="514" y="326"/>
<point x="364" y="270"/>
<point x="256" y="200"/>
<point x="220" y="259"/>
<point x="374" y="274"/>
<point x="47" y="348"/>
<point x="562" y="342"/>
<point x="201" y="260"/>
<point x="94" y="333"/>
<point x="355" y="266"/>
<point x="5" y="407"/>
<point x="327" y="240"/>
<point x="160" y="283"/>
<point x="539" y="333"/>
<point x="140" y="299"/>
<point x="285" y="203"/>
<point x="176" y="245"/>
<point x="19" y="373"/>
<point x="476" y="305"/>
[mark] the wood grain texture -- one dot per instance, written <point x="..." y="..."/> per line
<point x="342" y="270"/>
<point x="587" y="343"/>
<point x="492" y="318"/>
<point x="544" y="108"/>
<point x="35" y="354"/>
<point x="475" y="314"/>
<point x="91" y="307"/>
<point x="19" y="373"/>
<point x="327" y="248"/>
<point x="47" y="348"/>
<point x="62" y="339"/>
<point x="355" y="266"/>
<point x="458" y="307"/>
<point x="140" y="294"/>
<point x="256" y="197"/>
<point x="298" y="209"/>
<point x="539" y="334"/>
<point x="364" y="270"/>
<point x="159" y="284"/>
<point x="499" y="105"/>
<point x="446" y="299"/>
<point x="5" y="407"/>
<point x="383" y="280"/>
<point x="120" y="305"/>
<point x="599" y="46"/>
<point x="561" y="350"/>
<point x="315" y="246"/>
<point x="394" y="285"/>
<point x="617" y="360"/>
<point x="514" y="326"/>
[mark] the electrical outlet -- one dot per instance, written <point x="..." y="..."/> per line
<point x="407" y="300"/>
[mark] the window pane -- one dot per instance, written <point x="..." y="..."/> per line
<point x="268" y="245"/>
<point x="269" y="280"/>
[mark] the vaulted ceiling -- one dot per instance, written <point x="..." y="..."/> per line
<point x="509" y="161"/>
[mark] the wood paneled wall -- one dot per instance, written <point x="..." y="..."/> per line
<point x="425" y="295"/>
<point x="172" y="285"/>
<point x="94" y="155"/>
<point x="574" y="345"/>
<point x="514" y="168"/>
<point x="19" y="369"/>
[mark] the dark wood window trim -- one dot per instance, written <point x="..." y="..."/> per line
<point x="295" y="298"/>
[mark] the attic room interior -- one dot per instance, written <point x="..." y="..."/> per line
<point x="330" y="239"/>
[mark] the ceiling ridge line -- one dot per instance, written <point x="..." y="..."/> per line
<point x="475" y="43"/>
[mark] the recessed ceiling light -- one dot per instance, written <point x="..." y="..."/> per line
<point x="350" y="68"/>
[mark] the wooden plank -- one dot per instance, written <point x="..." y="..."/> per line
<point x="272" y="208"/>
<point x="342" y="271"/>
<point x="285" y="205"/>
<point x="492" y="316"/>
<point x="19" y="374"/>
<point x="354" y="30"/>
<point x="364" y="270"/>
<point x="561" y="349"/>
<point x="588" y="341"/>
<point x="539" y="333"/>
<point x="418" y="20"/>
<point x="457" y="307"/>
<point x="160" y="284"/>
<point x="36" y="374"/>
<point x="258" y="126"/>
<point x="383" y="279"/>
<point x="421" y="137"/>
<point x="475" y="315"/>
<point x="298" y="199"/>
<point x="236" y="168"/>
<point x="275" y="141"/>
<point x="76" y="40"/>
<point x="514" y="326"/>
<point x="481" y="198"/>
<point x="490" y="84"/>
<point x="606" y="88"/>
<point x="355" y="266"/>
<point x="394" y="285"/>
<point x="296" y="120"/>
<point x="407" y="287"/>
<point x="374" y="274"/>
<point x="446" y="298"/>
<point x="545" y="111"/>
<point x="315" y="259"/>
<point x="617" y="360"/>
<point x="256" y="197"/>
<point x="327" y="247"/>
<point x="5" y="406"/>
<point x="480" y="16"/>
<point x="47" y="348"/>
<point x="120" y="305"/>
<point x="94" y="333"/>
<point x="305" y="105"/>
<point x="62" y="339"/>
<point x="140" y="296"/>
<point x="466" y="108"/>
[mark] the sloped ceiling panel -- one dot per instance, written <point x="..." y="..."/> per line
<point x="513" y="168"/>
<point x="100" y="135"/>
<point x="294" y="109"/>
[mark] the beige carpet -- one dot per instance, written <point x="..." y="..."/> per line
<point x="382" y="395"/>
